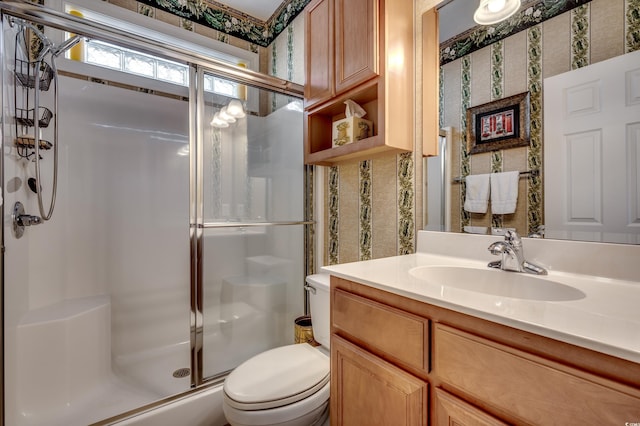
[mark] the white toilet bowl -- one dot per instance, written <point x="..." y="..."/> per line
<point x="289" y="385"/>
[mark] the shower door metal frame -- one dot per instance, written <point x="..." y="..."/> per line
<point x="2" y="213"/>
<point x="198" y="225"/>
<point x="198" y="64"/>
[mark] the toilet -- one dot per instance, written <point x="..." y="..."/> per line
<point x="289" y="385"/>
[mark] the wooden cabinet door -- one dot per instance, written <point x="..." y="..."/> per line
<point x="451" y="411"/>
<point x="356" y="42"/>
<point x="319" y="52"/>
<point x="368" y="391"/>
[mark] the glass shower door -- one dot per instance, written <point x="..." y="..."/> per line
<point x="253" y="239"/>
<point x="96" y="299"/>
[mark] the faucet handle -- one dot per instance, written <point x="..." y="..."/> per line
<point x="512" y="237"/>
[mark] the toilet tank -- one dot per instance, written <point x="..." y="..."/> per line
<point x="319" y="305"/>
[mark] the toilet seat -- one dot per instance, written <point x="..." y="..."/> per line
<point x="278" y="377"/>
<point x="310" y="411"/>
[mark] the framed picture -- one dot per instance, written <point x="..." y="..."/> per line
<point x="499" y="124"/>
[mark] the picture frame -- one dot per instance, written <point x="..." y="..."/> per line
<point x="501" y="124"/>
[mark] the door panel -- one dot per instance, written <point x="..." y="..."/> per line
<point x="592" y="122"/>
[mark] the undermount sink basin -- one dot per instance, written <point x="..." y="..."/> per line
<point x="498" y="283"/>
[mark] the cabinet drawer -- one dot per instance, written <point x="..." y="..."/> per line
<point x="527" y="388"/>
<point x="395" y="334"/>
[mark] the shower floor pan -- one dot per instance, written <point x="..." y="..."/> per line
<point x="79" y="383"/>
<point x="74" y="384"/>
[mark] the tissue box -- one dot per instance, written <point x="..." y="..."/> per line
<point x="350" y="129"/>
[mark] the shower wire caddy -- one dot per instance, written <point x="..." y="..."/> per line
<point x="30" y="75"/>
<point x="25" y="74"/>
<point x="25" y="117"/>
<point x="34" y="74"/>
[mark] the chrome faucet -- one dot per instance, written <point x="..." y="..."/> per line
<point x="512" y="255"/>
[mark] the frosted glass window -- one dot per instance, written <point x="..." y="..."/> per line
<point x="139" y="64"/>
<point x="126" y="60"/>
<point x="225" y="87"/>
<point x="104" y="55"/>
<point x="173" y="73"/>
<point x="220" y="86"/>
<point x="208" y="83"/>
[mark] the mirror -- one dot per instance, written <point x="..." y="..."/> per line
<point x="476" y="69"/>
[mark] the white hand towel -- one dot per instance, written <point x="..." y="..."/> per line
<point x="504" y="192"/>
<point x="475" y="229"/>
<point x="477" y="196"/>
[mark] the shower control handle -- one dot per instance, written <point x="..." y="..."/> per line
<point x="28" y="220"/>
<point x="20" y="219"/>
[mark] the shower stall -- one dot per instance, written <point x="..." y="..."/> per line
<point x="154" y="222"/>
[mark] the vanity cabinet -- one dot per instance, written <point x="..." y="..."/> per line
<point x="361" y="50"/>
<point x="478" y="372"/>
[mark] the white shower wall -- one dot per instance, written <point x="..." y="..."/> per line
<point x="120" y="230"/>
<point x="128" y="191"/>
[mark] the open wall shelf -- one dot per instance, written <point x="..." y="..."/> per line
<point x="319" y="123"/>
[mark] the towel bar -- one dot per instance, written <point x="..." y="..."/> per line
<point x="527" y="174"/>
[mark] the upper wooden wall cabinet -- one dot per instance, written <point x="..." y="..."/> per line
<point x="361" y="50"/>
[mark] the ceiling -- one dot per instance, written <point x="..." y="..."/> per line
<point x="260" y="9"/>
<point x="456" y="16"/>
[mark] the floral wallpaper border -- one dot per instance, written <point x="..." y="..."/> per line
<point x="535" y="201"/>
<point x="333" y="252"/>
<point x="465" y="157"/>
<point x="632" y="25"/>
<point x="532" y="13"/>
<point x="233" y="22"/>
<point x="406" y="203"/>
<point x="365" y="225"/>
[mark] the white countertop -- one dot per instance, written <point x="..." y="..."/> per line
<point x="606" y="319"/>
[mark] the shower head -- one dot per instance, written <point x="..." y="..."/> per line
<point x="66" y="45"/>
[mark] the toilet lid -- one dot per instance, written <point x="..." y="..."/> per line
<point x="277" y="377"/>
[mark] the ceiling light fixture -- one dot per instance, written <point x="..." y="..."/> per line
<point x="235" y="109"/>
<point x="493" y="11"/>
<point x="218" y="122"/>
<point x="226" y="116"/>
